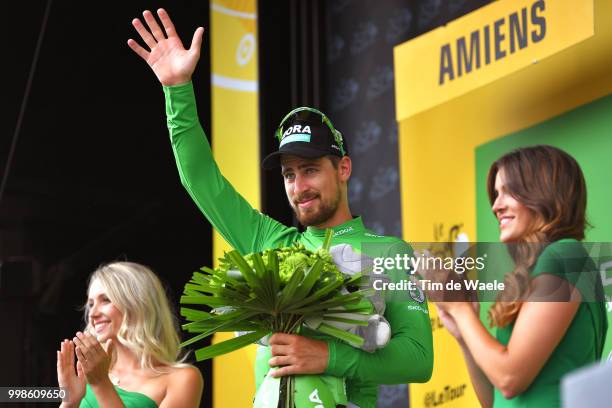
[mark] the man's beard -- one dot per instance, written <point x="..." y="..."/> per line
<point x="316" y="216"/>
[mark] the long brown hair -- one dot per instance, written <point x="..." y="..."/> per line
<point x="550" y="183"/>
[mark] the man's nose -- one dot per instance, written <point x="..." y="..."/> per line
<point x="300" y="184"/>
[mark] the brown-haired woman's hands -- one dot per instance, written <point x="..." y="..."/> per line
<point x="168" y="58"/>
<point x="94" y="360"/>
<point x="449" y="321"/>
<point x="73" y="381"/>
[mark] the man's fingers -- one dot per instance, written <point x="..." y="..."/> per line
<point x="144" y="33"/>
<point x="157" y="32"/>
<point x="282" y="338"/>
<point x="166" y="22"/>
<point x="144" y="54"/>
<point x="196" y="42"/>
<point x="283" y="371"/>
<point x="281" y="361"/>
<point x="279" y="349"/>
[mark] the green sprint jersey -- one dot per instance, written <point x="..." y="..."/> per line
<point x="408" y="357"/>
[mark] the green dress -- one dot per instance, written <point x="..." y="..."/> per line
<point x="583" y="342"/>
<point x="130" y="399"/>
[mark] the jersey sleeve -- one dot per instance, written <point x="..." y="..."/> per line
<point x="408" y="357"/>
<point x="242" y="226"/>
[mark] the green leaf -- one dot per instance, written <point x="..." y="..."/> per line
<point x="357" y="322"/>
<point x="238" y="286"/>
<point x="274" y="272"/>
<point x="312" y="276"/>
<point x="249" y="275"/>
<point x="232" y="294"/>
<point x="350" y="338"/>
<point x="337" y="301"/>
<point x="207" y="270"/>
<point x="201" y="326"/>
<point x="356" y="277"/>
<point x="204" y="300"/>
<point x="287" y="295"/>
<point x="245" y="268"/>
<point x="204" y="288"/>
<point x="205" y="325"/>
<point x="258" y="265"/>
<point x="216" y="319"/>
<point x="228" y="346"/>
<point x="267" y="281"/>
<point x="329" y="234"/>
<point x="191" y="292"/>
<point x="317" y="296"/>
<point x="194" y="314"/>
<point x="194" y="339"/>
<point x="361" y="307"/>
<point x="219" y="327"/>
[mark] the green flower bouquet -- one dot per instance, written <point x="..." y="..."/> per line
<point x="278" y="290"/>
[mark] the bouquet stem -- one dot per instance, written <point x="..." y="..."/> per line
<point x="288" y="323"/>
<point x="287" y="390"/>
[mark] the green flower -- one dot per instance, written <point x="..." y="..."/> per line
<point x="293" y="262"/>
<point x="270" y="291"/>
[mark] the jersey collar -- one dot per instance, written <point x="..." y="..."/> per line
<point x="348" y="228"/>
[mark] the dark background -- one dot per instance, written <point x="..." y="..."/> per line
<point x="91" y="177"/>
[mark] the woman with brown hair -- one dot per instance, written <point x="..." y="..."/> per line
<point x="550" y="318"/>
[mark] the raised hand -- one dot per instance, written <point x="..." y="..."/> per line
<point x="73" y="382"/>
<point x="93" y="359"/>
<point x="168" y="58"/>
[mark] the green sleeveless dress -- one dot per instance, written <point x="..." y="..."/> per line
<point x="583" y="341"/>
<point x="130" y="399"/>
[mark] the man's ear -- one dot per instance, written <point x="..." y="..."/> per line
<point x="345" y="168"/>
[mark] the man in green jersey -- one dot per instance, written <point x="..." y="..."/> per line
<point x="316" y="171"/>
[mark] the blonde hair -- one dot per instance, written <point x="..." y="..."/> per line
<point x="149" y="328"/>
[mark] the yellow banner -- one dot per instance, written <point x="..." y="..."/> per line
<point x="235" y="120"/>
<point x="437" y="146"/>
<point x="483" y="46"/>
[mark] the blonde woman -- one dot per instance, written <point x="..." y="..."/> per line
<point x="128" y="355"/>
